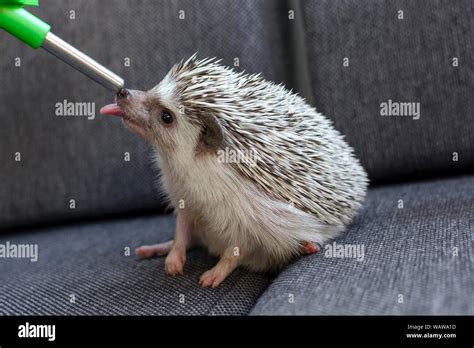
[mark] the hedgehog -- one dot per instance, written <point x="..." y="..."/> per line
<point x="254" y="173"/>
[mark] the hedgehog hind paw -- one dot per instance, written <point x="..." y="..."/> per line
<point x="149" y="251"/>
<point x="309" y="247"/>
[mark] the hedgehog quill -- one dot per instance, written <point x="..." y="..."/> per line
<point x="301" y="189"/>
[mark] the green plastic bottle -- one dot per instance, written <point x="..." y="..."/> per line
<point x="36" y="33"/>
<point x="21" y="23"/>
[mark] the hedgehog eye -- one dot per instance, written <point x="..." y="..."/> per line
<point x="166" y="117"/>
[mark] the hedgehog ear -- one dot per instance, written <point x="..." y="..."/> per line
<point x="211" y="135"/>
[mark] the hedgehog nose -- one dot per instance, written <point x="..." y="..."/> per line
<point x="122" y="94"/>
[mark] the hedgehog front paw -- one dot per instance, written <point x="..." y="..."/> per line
<point x="174" y="263"/>
<point x="215" y="276"/>
<point x="212" y="278"/>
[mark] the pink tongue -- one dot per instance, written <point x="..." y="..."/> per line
<point x="111" y="109"/>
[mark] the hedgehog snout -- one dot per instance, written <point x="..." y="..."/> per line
<point x="128" y="99"/>
<point x="132" y="103"/>
<point x="123" y="93"/>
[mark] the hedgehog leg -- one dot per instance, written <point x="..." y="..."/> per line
<point x="175" y="249"/>
<point x="174" y="263"/>
<point x="216" y="275"/>
<point x="309" y="248"/>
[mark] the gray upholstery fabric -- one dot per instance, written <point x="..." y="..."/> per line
<point x="409" y="252"/>
<point x="88" y="261"/>
<point x="64" y="158"/>
<point x="407" y="60"/>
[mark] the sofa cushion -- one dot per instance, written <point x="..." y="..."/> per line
<point x="402" y="60"/>
<point x="418" y="258"/>
<point x="73" y="158"/>
<point x="87" y="262"/>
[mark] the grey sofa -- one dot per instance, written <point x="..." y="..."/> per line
<point x="74" y="194"/>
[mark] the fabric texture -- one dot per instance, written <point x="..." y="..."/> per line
<point x="422" y="251"/>
<point x="88" y="263"/>
<point x="402" y="60"/>
<point x="418" y="258"/>
<point x="73" y="158"/>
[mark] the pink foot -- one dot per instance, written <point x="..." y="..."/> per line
<point x="216" y="275"/>
<point x="174" y="263"/>
<point x="309" y="248"/>
<point x="148" y="251"/>
<point x="212" y="278"/>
